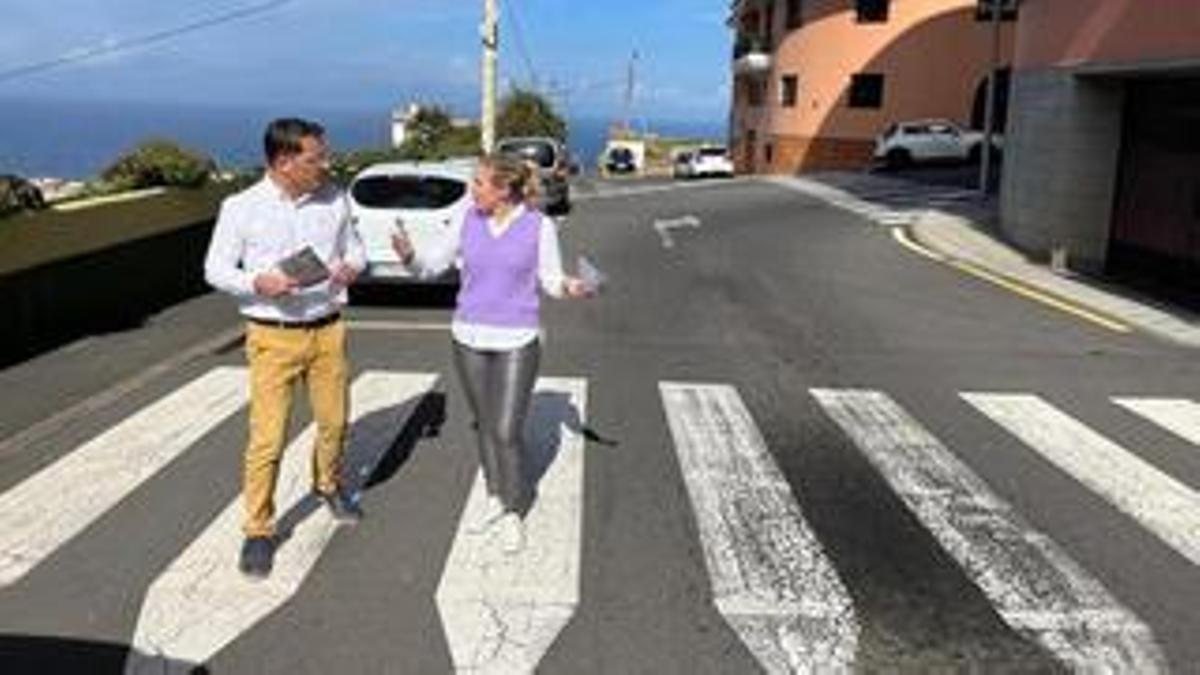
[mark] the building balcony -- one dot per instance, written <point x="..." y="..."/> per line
<point x="751" y="56"/>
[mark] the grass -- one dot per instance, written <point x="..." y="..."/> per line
<point x="31" y="239"/>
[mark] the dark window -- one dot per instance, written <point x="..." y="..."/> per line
<point x="788" y="90"/>
<point x="769" y="18"/>
<point x="407" y="192"/>
<point x="872" y="11"/>
<point x="534" y="150"/>
<point x="754" y="93"/>
<point x="866" y="90"/>
<point x="795" y="13"/>
<point x="1008" y="10"/>
<point x="769" y="153"/>
<point x="711" y="152"/>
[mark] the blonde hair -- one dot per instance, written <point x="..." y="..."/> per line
<point x="519" y="178"/>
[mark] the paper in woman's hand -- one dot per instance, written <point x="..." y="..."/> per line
<point x="593" y="279"/>
<point x="305" y="266"/>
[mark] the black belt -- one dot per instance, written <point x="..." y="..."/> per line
<point x="302" y="325"/>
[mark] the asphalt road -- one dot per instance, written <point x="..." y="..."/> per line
<point x="776" y="437"/>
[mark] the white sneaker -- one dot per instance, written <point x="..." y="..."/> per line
<point x="492" y="509"/>
<point x="511" y="531"/>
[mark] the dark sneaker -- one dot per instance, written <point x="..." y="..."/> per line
<point x="257" y="556"/>
<point x="341" y="507"/>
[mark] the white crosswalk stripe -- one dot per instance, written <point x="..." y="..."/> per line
<point x="1163" y="505"/>
<point x="502" y="611"/>
<point x="201" y="602"/>
<point x="1179" y="416"/>
<point x="771" y="580"/>
<point x="53" y="506"/>
<point x="1032" y="583"/>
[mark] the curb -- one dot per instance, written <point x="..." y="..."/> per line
<point x="962" y="242"/>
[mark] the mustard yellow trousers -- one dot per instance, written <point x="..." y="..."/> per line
<point x="280" y="358"/>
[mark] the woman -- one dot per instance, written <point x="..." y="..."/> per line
<point x="506" y="249"/>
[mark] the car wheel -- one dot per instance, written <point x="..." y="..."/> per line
<point x="898" y="158"/>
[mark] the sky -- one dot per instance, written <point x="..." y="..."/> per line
<point x="373" y="54"/>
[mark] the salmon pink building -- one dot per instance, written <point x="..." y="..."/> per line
<point x="1102" y="152"/>
<point x="814" y="81"/>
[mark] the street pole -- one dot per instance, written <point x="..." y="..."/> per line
<point x="630" y="86"/>
<point x="985" y="167"/>
<point x="491" y="45"/>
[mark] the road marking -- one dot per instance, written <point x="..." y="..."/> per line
<point x="664" y="227"/>
<point x="902" y="238"/>
<point x="1034" y="585"/>
<point x="1020" y="288"/>
<point x="500" y="613"/>
<point x="771" y="580"/>
<point x="380" y="325"/>
<point x="634" y="191"/>
<point x="201" y="602"/>
<point x="1163" y="505"/>
<point x="57" y="503"/>
<point x="1179" y="416"/>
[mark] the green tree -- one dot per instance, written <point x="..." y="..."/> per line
<point x="528" y="113"/>
<point x="426" y="133"/>
<point x="158" y="162"/>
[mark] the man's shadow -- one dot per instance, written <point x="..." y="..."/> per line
<point x="365" y="465"/>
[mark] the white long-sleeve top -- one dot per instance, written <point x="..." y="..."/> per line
<point x="262" y="225"/>
<point x="446" y="250"/>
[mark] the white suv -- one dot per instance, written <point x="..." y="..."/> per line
<point x="708" y="160"/>
<point x="934" y="140"/>
<point x="426" y="197"/>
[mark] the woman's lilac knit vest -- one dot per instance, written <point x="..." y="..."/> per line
<point x="500" y="274"/>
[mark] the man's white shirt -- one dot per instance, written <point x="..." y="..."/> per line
<point x="262" y="225"/>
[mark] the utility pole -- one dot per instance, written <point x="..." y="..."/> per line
<point x="491" y="44"/>
<point x="985" y="166"/>
<point x="630" y="87"/>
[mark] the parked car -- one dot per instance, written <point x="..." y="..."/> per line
<point x="554" y="168"/>
<point x="933" y="140"/>
<point x="620" y="160"/>
<point x="709" y="160"/>
<point x="425" y="197"/>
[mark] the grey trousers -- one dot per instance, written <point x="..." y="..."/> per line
<point x="499" y="388"/>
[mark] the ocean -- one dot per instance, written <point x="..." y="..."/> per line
<point x="78" y="139"/>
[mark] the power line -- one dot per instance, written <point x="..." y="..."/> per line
<point x="520" y="40"/>
<point x="78" y="56"/>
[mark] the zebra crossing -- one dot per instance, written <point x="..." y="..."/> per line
<point x="887" y="202"/>
<point x="771" y="579"/>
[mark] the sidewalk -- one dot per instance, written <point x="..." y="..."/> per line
<point x="972" y="240"/>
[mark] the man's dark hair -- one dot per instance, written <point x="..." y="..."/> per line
<point x="283" y="136"/>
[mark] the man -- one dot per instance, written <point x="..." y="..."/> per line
<point x="294" y="332"/>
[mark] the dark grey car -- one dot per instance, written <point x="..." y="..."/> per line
<point x="553" y="170"/>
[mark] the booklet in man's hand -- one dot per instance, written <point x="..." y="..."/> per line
<point x="305" y="266"/>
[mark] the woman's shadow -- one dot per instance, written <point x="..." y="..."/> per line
<point x="551" y="413"/>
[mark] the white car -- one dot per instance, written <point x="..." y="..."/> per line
<point x="932" y="140"/>
<point x="709" y="160"/>
<point x="427" y="197"/>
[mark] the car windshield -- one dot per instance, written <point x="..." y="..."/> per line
<point x="622" y="154"/>
<point x="407" y="192"/>
<point x="712" y="152"/>
<point x="539" y="152"/>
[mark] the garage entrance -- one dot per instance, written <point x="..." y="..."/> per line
<point x="1155" y="235"/>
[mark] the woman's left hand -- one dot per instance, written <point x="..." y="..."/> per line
<point x="573" y="287"/>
